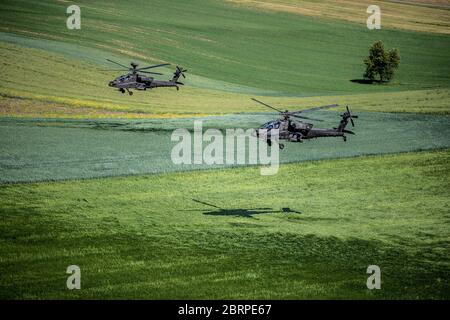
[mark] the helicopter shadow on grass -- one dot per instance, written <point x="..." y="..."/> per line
<point x="240" y="212"/>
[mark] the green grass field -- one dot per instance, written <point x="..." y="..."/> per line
<point x="86" y="176"/>
<point x="145" y="237"/>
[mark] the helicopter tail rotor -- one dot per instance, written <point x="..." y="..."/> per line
<point x="176" y="75"/>
<point x="346" y="117"/>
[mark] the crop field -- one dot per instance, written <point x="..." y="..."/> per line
<point x="86" y="175"/>
<point x="39" y="149"/>
<point x="430" y="16"/>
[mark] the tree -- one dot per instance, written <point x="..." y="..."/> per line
<point x="381" y="63"/>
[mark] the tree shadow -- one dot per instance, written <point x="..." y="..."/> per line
<point x="364" y="81"/>
<point x="240" y="212"/>
<point x="368" y="81"/>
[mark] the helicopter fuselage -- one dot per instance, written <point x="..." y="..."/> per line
<point x="131" y="81"/>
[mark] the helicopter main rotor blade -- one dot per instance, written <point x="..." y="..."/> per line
<point x="265" y="104"/>
<point x="118" y="64"/>
<point x="154" y="66"/>
<point x="302" y="117"/>
<point x="113" y="70"/>
<point x="316" y="108"/>
<point x="149" y="72"/>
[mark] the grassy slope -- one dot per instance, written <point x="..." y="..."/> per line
<point x="61" y="86"/>
<point x="146" y="238"/>
<point x="269" y="51"/>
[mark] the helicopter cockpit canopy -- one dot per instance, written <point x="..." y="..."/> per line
<point x="275" y="124"/>
<point x="123" y="78"/>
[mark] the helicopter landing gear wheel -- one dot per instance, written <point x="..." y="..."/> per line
<point x="130" y="93"/>
<point x="281" y="146"/>
<point x="296" y="137"/>
<point x="122" y="90"/>
<point x="345" y="138"/>
<point x="269" y="142"/>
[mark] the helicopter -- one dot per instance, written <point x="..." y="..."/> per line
<point x="297" y="131"/>
<point x="135" y="80"/>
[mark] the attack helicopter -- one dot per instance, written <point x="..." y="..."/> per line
<point x="297" y="131"/>
<point x="135" y="80"/>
